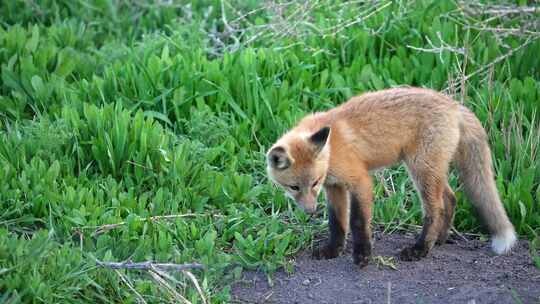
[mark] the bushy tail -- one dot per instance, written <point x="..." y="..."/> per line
<point x="473" y="160"/>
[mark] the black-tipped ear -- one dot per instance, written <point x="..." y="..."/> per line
<point x="278" y="159"/>
<point x="320" y="137"/>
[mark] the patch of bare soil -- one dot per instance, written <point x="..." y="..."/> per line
<point x="460" y="272"/>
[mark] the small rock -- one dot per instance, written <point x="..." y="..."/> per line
<point x="306" y="282"/>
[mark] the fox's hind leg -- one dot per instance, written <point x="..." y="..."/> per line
<point x="431" y="187"/>
<point x="338" y="205"/>
<point x="428" y="160"/>
<point x="449" y="210"/>
<point x="428" y="168"/>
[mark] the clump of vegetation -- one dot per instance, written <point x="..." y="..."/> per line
<point x="135" y="131"/>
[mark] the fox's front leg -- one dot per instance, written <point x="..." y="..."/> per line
<point x="361" y="200"/>
<point x="338" y="204"/>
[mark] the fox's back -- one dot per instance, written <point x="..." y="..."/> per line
<point x="381" y="127"/>
<point x="401" y="109"/>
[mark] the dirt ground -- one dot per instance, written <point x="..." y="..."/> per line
<point x="458" y="272"/>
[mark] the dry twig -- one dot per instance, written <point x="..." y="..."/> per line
<point x="196" y="284"/>
<point x="500" y="21"/>
<point x="140" y="298"/>
<point x="156" y="270"/>
<point x="148" y="265"/>
<point x="172" y="291"/>
<point x="293" y="19"/>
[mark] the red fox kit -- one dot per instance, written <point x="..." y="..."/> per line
<point x="335" y="150"/>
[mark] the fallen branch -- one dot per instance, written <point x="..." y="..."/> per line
<point x="156" y="271"/>
<point x="126" y="281"/>
<point x="196" y="284"/>
<point x="170" y="289"/>
<point x="148" y="265"/>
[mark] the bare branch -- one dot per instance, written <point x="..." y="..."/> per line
<point x="294" y="19"/>
<point x="196" y="283"/>
<point x="501" y="9"/>
<point x="156" y="270"/>
<point x="340" y="27"/>
<point x="486" y="67"/>
<point x="439" y="49"/>
<point x="140" y="298"/>
<point x="148" y="265"/>
<point x="172" y="291"/>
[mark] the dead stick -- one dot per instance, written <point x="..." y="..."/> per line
<point x="172" y="291"/>
<point x="148" y="265"/>
<point x="126" y="281"/>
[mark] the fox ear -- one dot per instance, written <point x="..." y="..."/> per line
<point x="320" y="138"/>
<point x="278" y="158"/>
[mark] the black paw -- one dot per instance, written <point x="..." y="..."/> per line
<point x="412" y="254"/>
<point x="326" y="252"/>
<point x="361" y="260"/>
<point x="443" y="238"/>
<point x="444" y="241"/>
<point x="440" y="242"/>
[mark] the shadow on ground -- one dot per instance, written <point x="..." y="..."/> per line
<point x="461" y="272"/>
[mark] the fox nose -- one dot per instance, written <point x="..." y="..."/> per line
<point x="310" y="209"/>
<point x="308" y="205"/>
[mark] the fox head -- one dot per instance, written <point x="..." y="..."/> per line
<point x="298" y="162"/>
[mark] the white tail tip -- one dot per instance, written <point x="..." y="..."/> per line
<point x="504" y="241"/>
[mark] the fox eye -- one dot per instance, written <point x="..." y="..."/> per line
<point x="294" y="188"/>
<point x="315" y="183"/>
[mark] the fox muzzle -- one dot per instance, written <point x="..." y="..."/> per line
<point x="308" y="204"/>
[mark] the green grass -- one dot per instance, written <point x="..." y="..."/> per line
<point x="119" y="111"/>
